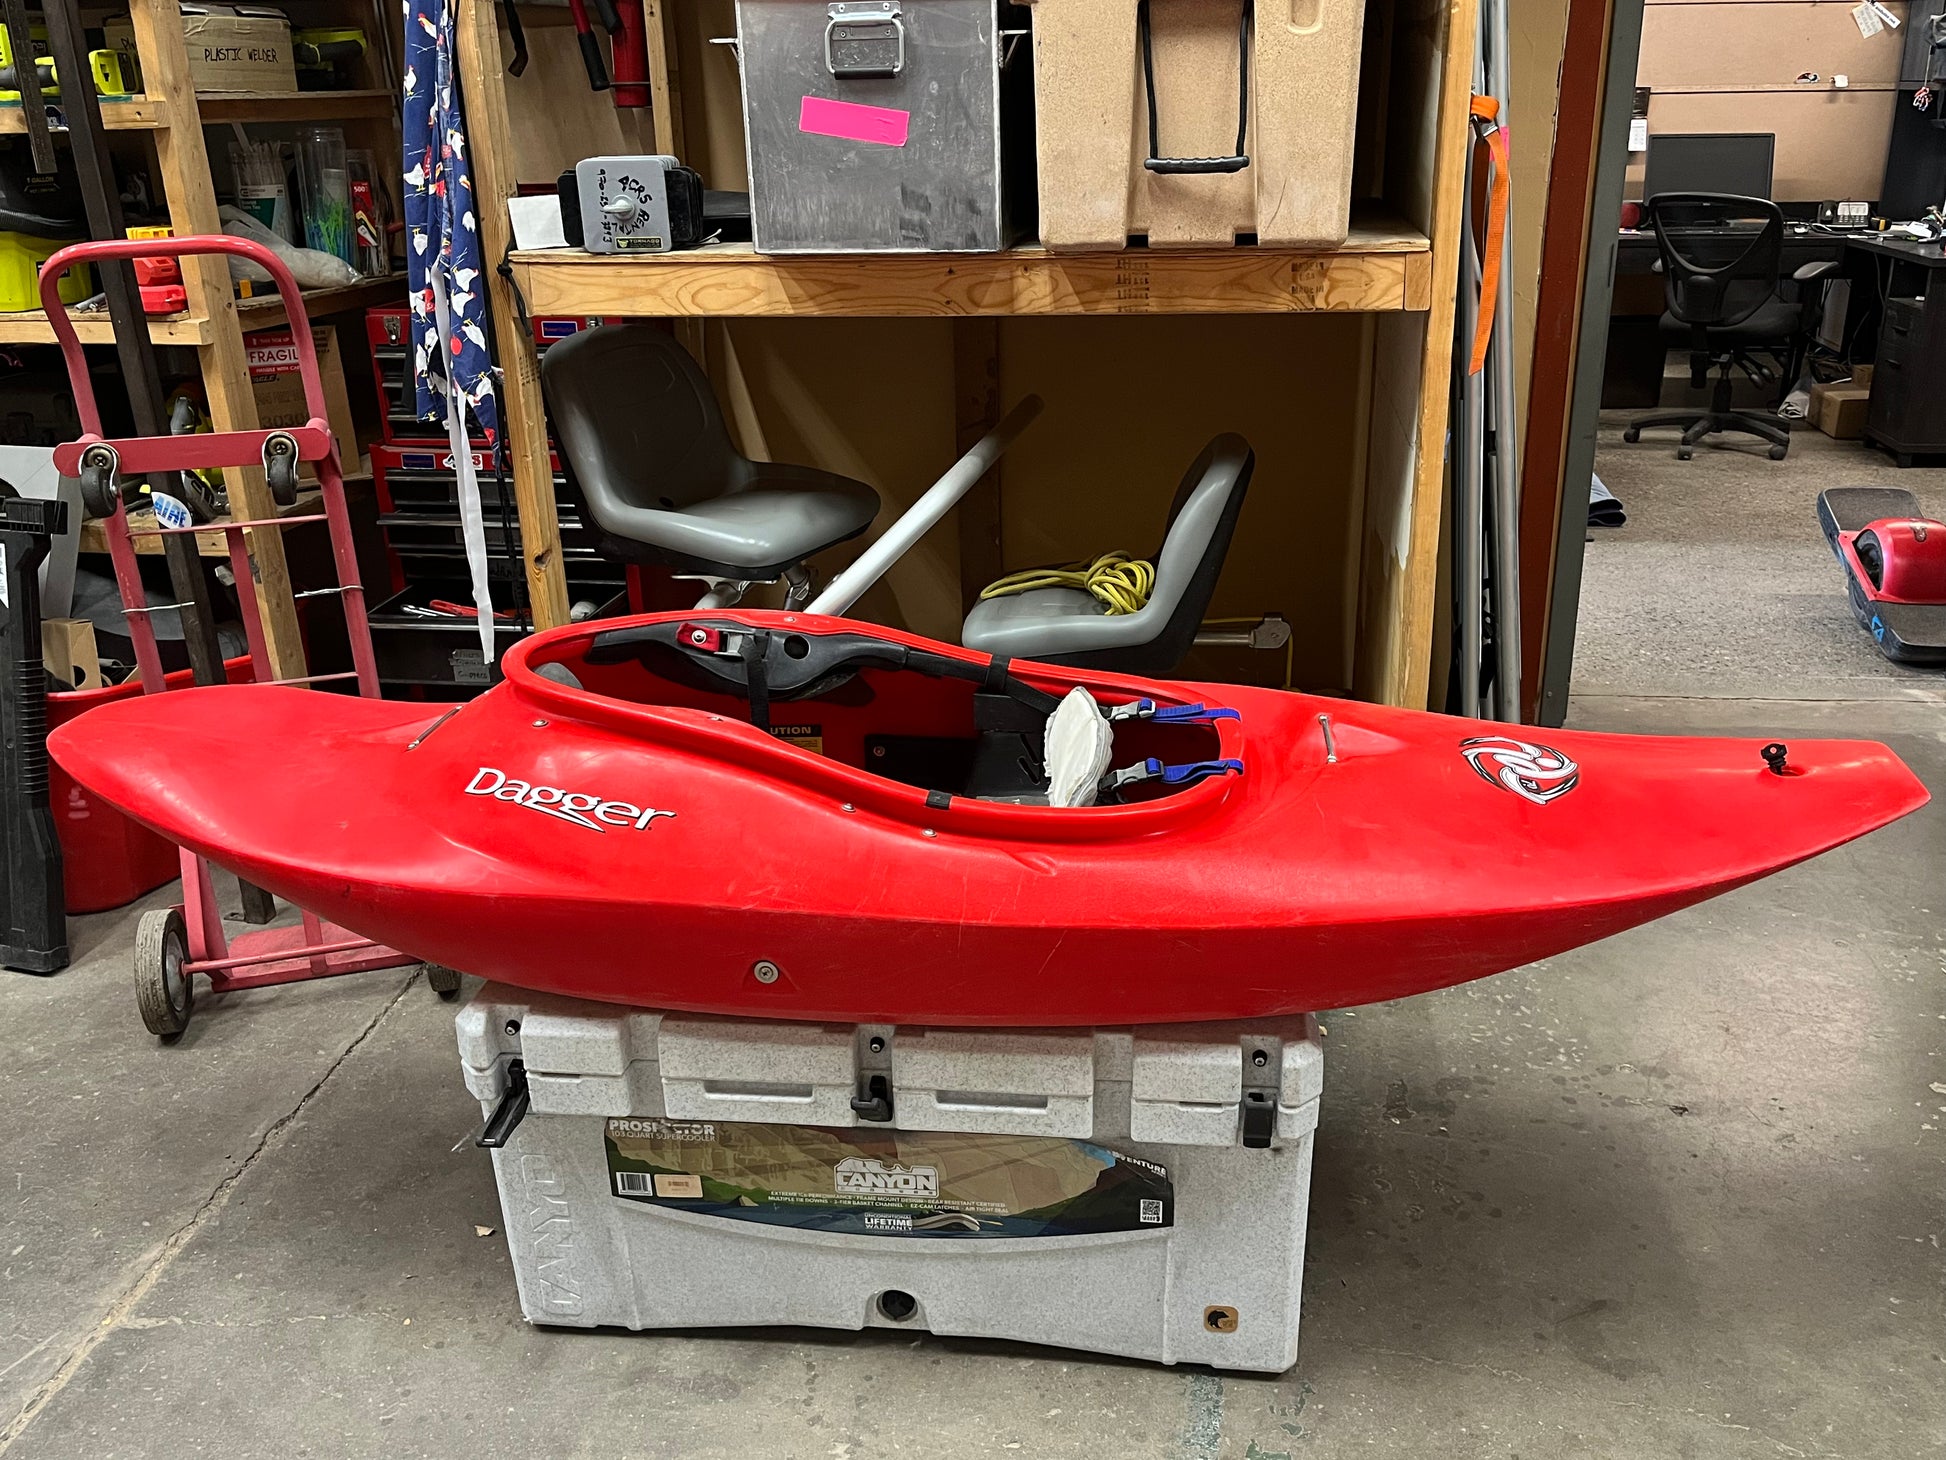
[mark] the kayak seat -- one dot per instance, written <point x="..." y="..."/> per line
<point x="1072" y="626"/>
<point x="649" y="461"/>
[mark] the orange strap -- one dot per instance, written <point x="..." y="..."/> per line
<point x="1485" y="112"/>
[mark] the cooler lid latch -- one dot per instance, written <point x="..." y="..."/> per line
<point x="509" y="1113"/>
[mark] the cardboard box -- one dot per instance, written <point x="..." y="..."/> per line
<point x="1839" y="410"/>
<point x="231" y="47"/>
<point x="68" y="651"/>
<point x="272" y="355"/>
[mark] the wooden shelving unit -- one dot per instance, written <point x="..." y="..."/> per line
<point x="266" y="311"/>
<point x="30" y="327"/>
<point x="1384" y="265"/>
<point x="209" y="544"/>
<point x="263" y="311"/>
<point x="173" y="115"/>
<point x="1391" y="285"/>
<point x="294" y="106"/>
<point x="127" y="114"/>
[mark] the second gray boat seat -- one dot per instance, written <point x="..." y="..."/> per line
<point x="648" y="456"/>
<point x="1071" y="626"/>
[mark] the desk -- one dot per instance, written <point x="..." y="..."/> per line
<point x="1636" y="349"/>
<point x="1907" y="415"/>
<point x="1636" y="254"/>
<point x="1632" y="377"/>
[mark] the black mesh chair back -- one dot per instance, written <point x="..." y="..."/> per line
<point x="1721" y="255"/>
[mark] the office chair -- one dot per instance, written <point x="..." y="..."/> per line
<point x="1722" y="259"/>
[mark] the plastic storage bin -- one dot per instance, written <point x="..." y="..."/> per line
<point x="21" y="257"/>
<point x="1289" y="183"/>
<point x="106" y="859"/>
<point x="1139" y="1192"/>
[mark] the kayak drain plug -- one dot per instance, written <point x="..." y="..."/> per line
<point x="1777" y="756"/>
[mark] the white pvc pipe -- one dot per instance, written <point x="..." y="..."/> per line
<point x="919" y="519"/>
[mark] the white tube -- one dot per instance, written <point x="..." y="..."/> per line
<point x="918" y="519"/>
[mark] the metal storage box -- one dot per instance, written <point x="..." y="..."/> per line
<point x="877" y="125"/>
<point x="1284" y="72"/>
<point x="1131" y="1191"/>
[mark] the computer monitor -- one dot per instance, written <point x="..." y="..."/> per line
<point x="1709" y="162"/>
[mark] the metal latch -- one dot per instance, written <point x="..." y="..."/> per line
<point x="509" y="1113"/>
<point x="864" y="38"/>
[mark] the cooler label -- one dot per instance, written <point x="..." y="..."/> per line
<point x="883" y="1182"/>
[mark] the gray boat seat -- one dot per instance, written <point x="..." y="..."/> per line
<point x="650" y="463"/>
<point x="1071" y="626"/>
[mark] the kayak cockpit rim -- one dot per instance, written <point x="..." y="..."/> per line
<point x="724" y="738"/>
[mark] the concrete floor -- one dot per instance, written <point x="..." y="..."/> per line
<point x="1678" y="1194"/>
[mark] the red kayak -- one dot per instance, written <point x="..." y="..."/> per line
<point x="789" y="816"/>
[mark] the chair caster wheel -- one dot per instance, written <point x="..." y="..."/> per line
<point x="164" y="990"/>
<point x="1777" y="453"/>
<point x="1631" y="435"/>
<point x="1683" y="453"/>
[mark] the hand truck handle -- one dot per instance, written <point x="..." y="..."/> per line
<point x="113" y="249"/>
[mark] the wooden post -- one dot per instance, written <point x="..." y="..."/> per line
<point x="665" y="80"/>
<point x="976" y="411"/>
<point x="1411" y="674"/>
<point x="523" y="416"/>
<point x="184" y="165"/>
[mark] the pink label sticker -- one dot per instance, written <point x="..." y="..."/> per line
<point x="884" y="125"/>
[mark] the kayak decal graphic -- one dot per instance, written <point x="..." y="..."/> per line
<point x="1532" y="772"/>
<point x="582" y="808"/>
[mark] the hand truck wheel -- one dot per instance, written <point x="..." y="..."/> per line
<point x="99" y="489"/>
<point x="165" y="991"/>
<point x="442" y="980"/>
<point x="280" y="469"/>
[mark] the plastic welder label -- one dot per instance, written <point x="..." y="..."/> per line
<point x="884" y="1182"/>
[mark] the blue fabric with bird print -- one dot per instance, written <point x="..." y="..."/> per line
<point x="452" y="368"/>
<point x="442" y="233"/>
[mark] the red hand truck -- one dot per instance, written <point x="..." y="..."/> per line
<point x="173" y="945"/>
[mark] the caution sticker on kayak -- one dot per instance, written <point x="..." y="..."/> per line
<point x="804" y="737"/>
<point x="886" y="1183"/>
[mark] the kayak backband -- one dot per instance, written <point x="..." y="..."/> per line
<point x="949" y="725"/>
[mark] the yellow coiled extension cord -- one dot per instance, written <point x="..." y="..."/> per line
<point x="1122" y="582"/>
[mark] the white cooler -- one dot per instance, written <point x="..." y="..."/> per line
<point x="1130" y="1191"/>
